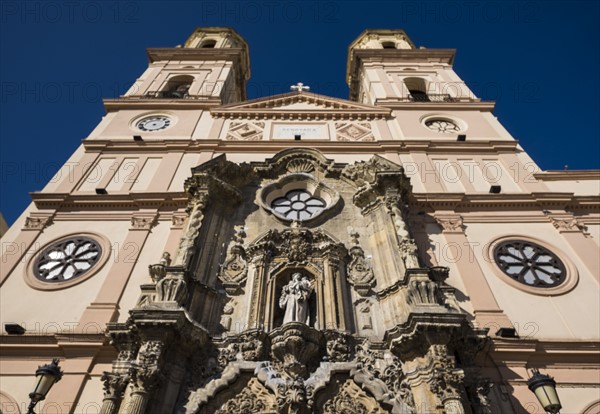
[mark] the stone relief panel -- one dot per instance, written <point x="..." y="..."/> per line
<point x="353" y="131"/>
<point x="245" y="131"/>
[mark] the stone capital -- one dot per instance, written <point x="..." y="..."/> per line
<point x="451" y="224"/>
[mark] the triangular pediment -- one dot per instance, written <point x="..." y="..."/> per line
<point x="300" y="103"/>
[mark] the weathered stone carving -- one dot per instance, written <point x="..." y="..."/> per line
<point x="294" y="299"/>
<point x="234" y="270"/>
<point x="143" y="222"/>
<point x="299" y="165"/>
<point x="296" y="244"/>
<point x="479" y="388"/>
<point x="294" y="397"/>
<point x="446" y="380"/>
<point x="408" y="253"/>
<point x="394" y="379"/>
<point x="568" y="224"/>
<point x="344" y="403"/>
<point x="198" y="204"/>
<point x="297" y="160"/>
<point x="407" y="246"/>
<point x="364" y="316"/>
<point x="159" y="270"/>
<point x="178" y="219"/>
<point x="297" y="346"/>
<point x="451" y="224"/>
<point x="126" y="343"/>
<point x="114" y="385"/>
<point x="227" y="312"/>
<point x="37" y="223"/>
<point x="422" y="290"/>
<point x="338" y="347"/>
<point x="363" y="172"/>
<point x="172" y="288"/>
<point x="246" y="402"/>
<point x="360" y="273"/>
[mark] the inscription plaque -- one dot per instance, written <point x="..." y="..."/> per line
<point x="306" y="131"/>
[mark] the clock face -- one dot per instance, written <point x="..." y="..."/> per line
<point x="154" y="123"/>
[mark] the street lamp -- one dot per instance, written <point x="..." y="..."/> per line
<point x="45" y="377"/>
<point x="544" y="388"/>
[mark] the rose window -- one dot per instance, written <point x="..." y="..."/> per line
<point x="298" y="205"/>
<point x="529" y="263"/>
<point x="67" y="259"/>
<point x="442" y="125"/>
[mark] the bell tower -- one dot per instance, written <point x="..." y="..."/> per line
<point x="212" y="65"/>
<point x="385" y="66"/>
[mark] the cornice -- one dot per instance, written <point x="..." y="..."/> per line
<point x="551" y="353"/>
<point x="568" y="175"/>
<point x="130" y="201"/>
<point x="523" y="201"/>
<point x="304" y="115"/>
<point x="135" y="102"/>
<point x="180" y="53"/>
<point x="325" y="107"/>
<point x="416" y="55"/>
<point x="419" y="106"/>
<point x="403" y="146"/>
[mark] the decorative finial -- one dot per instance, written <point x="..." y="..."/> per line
<point x="300" y="87"/>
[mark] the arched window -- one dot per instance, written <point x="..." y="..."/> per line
<point x="388" y="45"/>
<point x="417" y="88"/>
<point x="177" y="87"/>
<point x="208" y="44"/>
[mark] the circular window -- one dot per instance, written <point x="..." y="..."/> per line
<point x="153" y="123"/>
<point x="298" y="205"/>
<point x="67" y="259"/>
<point x="298" y="197"/>
<point x="442" y="125"/>
<point x="529" y="263"/>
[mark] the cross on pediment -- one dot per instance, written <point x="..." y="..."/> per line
<point x="299" y="87"/>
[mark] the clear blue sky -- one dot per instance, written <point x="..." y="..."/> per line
<point x="538" y="59"/>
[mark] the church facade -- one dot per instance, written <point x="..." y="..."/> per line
<point x="397" y="252"/>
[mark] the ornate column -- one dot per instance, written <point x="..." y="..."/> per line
<point x="115" y="382"/>
<point x="259" y="257"/>
<point x="486" y="310"/>
<point x="114" y="387"/>
<point x="192" y="229"/>
<point x="144" y="377"/>
<point x="328" y="319"/>
<point x="335" y="292"/>
<point x="406" y="245"/>
<point x="435" y="381"/>
<point x="13" y="252"/>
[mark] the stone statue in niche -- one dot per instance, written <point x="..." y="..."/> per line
<point x="294" y="299"/>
